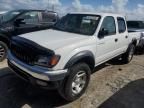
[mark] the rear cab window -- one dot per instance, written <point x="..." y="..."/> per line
<point x="135" y="24"/>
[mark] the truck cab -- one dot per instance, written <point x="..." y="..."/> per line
<point x="64" y="56"/>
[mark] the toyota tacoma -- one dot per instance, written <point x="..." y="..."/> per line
<point x="63" y="57"/>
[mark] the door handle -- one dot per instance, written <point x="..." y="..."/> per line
<point x="126" y="37"/>
<point x="116" y="40"/>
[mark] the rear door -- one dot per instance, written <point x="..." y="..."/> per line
<point x="107" y="46"/>
<point x="123" y="38"/>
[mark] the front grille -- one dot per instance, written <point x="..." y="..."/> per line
<point x="27" y="51"/>
<point x="24" y="54"/>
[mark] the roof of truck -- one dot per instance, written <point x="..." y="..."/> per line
<point x="98" y="13"/>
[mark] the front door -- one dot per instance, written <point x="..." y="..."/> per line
<point x="107" y="44"/>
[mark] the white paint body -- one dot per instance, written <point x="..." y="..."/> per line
<point x="69" y="44"/>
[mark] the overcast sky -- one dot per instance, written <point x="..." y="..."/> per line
<point x="133" y="9"/>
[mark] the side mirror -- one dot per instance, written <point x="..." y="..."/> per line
<point x="103" y="32"/>
<point x="17" y="22"/>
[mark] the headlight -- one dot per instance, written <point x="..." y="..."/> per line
<point x="47" y="61"/>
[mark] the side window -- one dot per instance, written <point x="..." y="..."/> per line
<point x="121" y="25"/>
<point x="30" y="17"/>
<point x="49" y="17"/>
<point x="108" y="26"/>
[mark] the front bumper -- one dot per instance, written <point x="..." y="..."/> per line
<point x="37" y="72"/>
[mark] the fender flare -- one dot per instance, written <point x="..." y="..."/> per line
<point x="84" y="55"/>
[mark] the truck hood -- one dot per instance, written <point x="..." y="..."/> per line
<point x="53" y="39"/>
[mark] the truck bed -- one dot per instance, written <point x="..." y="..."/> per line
<point x="134" y="35"/>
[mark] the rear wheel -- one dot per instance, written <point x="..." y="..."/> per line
<point x="128" y="56"/>
<point x="76" y="83"/>
<point x="3" y="51"/>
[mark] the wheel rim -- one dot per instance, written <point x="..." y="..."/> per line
<point x="79" y="82"/>
<point x="2" y="52"/>
<point x="131" y="53"/>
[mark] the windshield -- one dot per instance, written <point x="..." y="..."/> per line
<point x="136" y="24"/>
<point x="78" y="23"/>
<point x="9" y="15"/>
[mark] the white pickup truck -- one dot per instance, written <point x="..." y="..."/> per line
<point x="64" y="57"/>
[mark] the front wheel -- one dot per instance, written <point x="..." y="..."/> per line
<point x="3" y="51"/>
<point x="76" y="83"/>
<point x="128" y="56"/>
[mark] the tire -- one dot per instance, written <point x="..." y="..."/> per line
<point x="73" y="87"/>
<point x="3" y="51"/>
<point x="128" y="56"/>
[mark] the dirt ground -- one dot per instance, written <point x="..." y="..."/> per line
<point x="112" y="85"/>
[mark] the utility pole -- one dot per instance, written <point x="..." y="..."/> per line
<point x="53" y="7"/>
<point x="48" y="5"/>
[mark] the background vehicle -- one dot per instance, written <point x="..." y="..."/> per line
<point x="137" y="27"/>
<point x="67" y="54"/>
<point x="23" y="21"/>
<point x="2" y="12"/>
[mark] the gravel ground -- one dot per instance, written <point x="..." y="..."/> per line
<point x="113" y="85"/>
